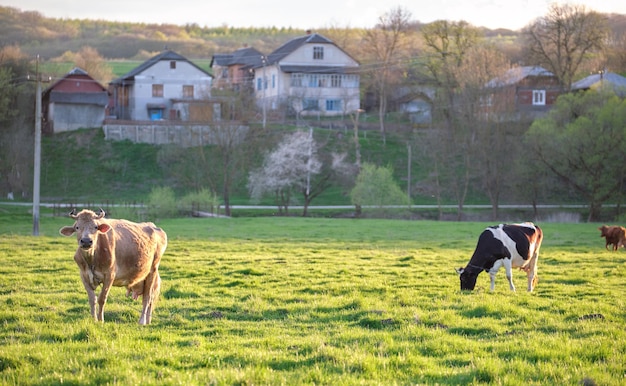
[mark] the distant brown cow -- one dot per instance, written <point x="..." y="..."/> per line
<point x="614" y="235"/>
<point x="118" y="253"/>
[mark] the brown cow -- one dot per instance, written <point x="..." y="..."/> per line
<point x="614" y="235"/>
<point x="118" y="253"/>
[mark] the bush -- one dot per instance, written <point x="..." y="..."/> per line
<point x="376" y="189"/>
<point x="203" y="201"/>
<point x="161" y="203"/>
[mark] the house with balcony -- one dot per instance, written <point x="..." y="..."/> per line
<point x="308" y="75"/>
<point x="167" y="86"/>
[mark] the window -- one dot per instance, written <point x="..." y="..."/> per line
<point x="187" y="91"/>
<point x="335" y="81"/>
<point x="313" y="81"/>
<point x="173" y="64"/>
<point x="539" y="97"/>
<point x="333" y="105"/>
<point x="310" y="104"/>
<point x="350" y="81"/>
<point x="273" y="81"/>
<point x="259" y="84"/>
<point x="157" y="91"/>
<point x="296" y="80"/>
<point x="318" y="53"/>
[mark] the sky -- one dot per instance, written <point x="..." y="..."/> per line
<point x="511" y="14"/>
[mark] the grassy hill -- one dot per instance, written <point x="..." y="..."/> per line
<point x="82" y="166"/>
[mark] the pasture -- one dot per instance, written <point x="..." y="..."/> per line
<point x="316" y="301"/>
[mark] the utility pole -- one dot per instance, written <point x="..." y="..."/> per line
<point x="408" y="185"/>
<point x="357" y="145"/>
<point x="264" y="85"/>
<point x="357" y="148"/>
<point x="37" y="161"/>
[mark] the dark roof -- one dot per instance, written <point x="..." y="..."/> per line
<point x="166" y="55"/>
<point x="80" y="98"/>
<point x="608" y="79"/>
<point x="73" y="71"/>
<point x="247" y="56"/>
<point x="318" y="69"/>
<point x="294" y="44"/>
<point x="516" y="74"/>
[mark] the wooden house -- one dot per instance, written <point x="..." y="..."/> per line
<point x="235" y="71"/>
<point x="75" y="101"/>
<point x="527" y="91"/>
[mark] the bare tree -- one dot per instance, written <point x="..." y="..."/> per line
<point x="616" y="44"/>
<point x="491" y="141"/>
<point x="447" y="46"/>
<point x="384" y="44"/>
<point x="564" y="38"/>
<point x="90" y="60"/>
<point x="16" y="119"/>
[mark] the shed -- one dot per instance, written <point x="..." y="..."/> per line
<point x="74" y="101"/>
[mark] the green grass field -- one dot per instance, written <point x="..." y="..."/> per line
<point x="299" y="301"/>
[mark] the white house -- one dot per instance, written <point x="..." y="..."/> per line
<point x="310" y="75"/>
<point x="165" y="87"/>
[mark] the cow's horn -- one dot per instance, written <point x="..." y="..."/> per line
<point x="100" y="213"/>
<point x="72" y="214"/>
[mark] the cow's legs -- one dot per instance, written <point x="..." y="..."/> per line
<point x="532" y="273"/>
<point x="493" y="272"/>
<point x="509" y="273"/>
<point x="102" y="298"/>
<point x="492" y="277"/>
<point x="91" y="293"/>
<point x="156" y="289"/>
<point x="151" y="289"/>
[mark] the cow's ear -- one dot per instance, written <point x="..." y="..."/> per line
<point x="67" y="231"/>
<point x="104" y="228"/>
<point x="459" y="270"/>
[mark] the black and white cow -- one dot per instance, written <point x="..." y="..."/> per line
<point x="511" y="245"/>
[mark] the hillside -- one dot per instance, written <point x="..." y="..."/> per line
<point x="50" y="38"/>
<point x="82" y="166"/>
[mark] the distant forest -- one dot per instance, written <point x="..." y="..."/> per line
<point x="50" y="37"/>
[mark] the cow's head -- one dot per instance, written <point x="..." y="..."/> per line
<point x="86" y="227"/>
<point x="468" y="278"/>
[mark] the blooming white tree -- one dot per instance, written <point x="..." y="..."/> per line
<point x="289" y="167"/>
